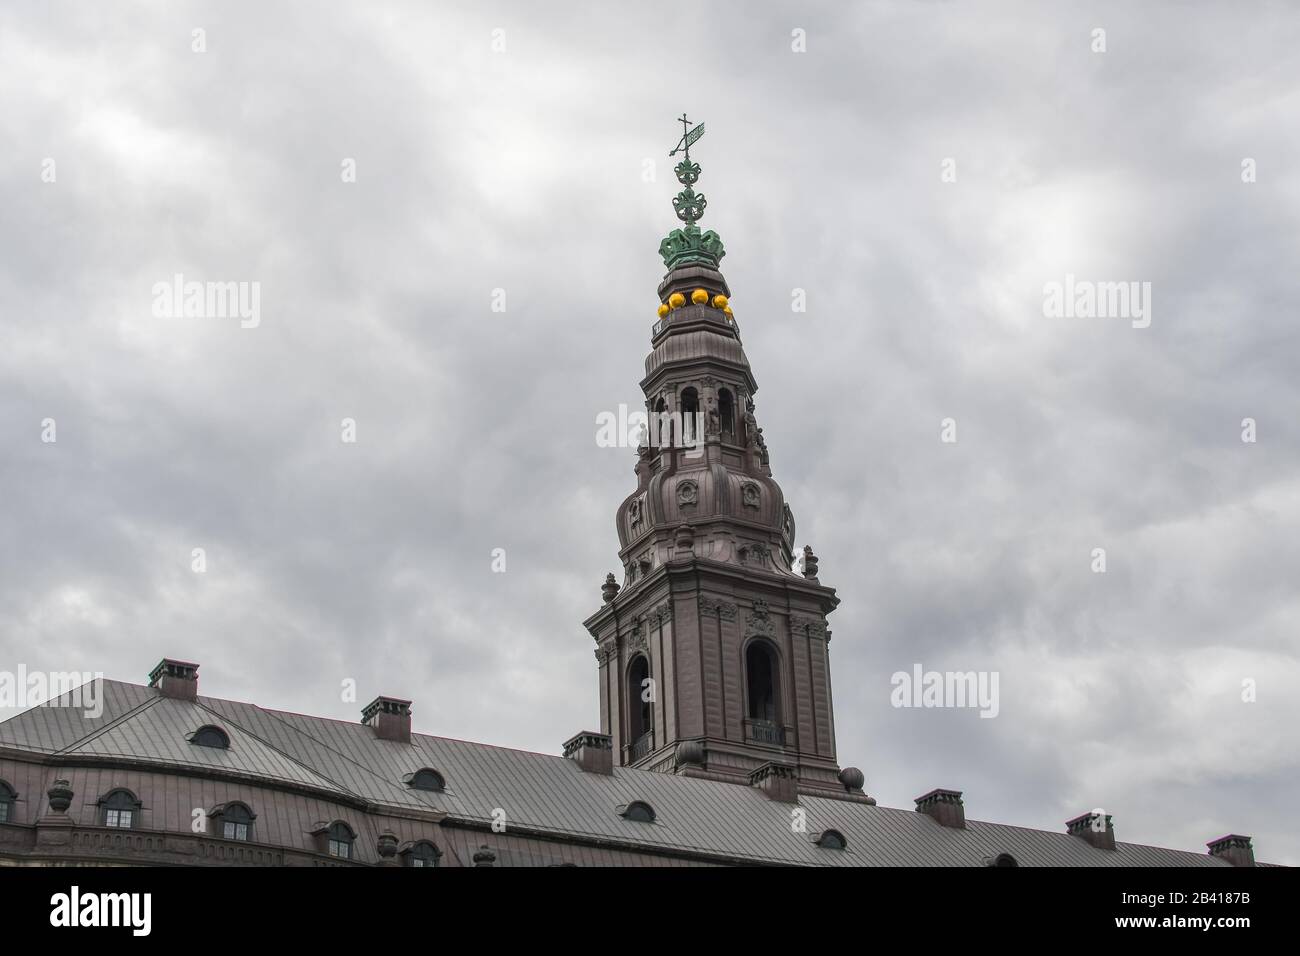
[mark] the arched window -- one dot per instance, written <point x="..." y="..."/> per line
<point x="422" y="853"/>
<point x="210" y="736"/>
<point x="638" y="810"/>
<point x="761" y="671"/>
<point x="236" y="821"/>
<point x="427" y="779"/>
<point x="339" y="840"/>
<point x="7" y="797"/>
<point x="661" y="429"/>
<point x="120" y="808"/>
<point x="690" y="408"/>
<point x="832" y="840"/>
<point x="1004" y="859"/>
<point x="727" y="414"/>
<point x="640" y="711"/>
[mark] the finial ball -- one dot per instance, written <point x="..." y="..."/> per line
<point x="676" y="300"/>
<point x="699" y="297"/>
<point x="663" y="309"/>
<point x="719" y="301"/>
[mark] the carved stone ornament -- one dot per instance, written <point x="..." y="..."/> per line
<point x="760" y="620"/>
<point x="688" y="492"/>
<point x="750" y="495"/>
<point x="634" y="639"/>
<point x="634" y="514"/>
<point x="724" y="609"/>
<point x="757" y="553"/>
<point x="663" y="613"/>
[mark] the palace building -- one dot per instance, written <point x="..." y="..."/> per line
<point x="717" y="729"/>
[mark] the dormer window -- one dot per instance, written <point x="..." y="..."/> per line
<point x="234" y="821"/>
<point x="638" y="810"/>
<point x="119" y="808"/>
<point x="7" y="797"/>
<point x="421" y="853"/>
<point x="339" y="840"/>
<point x="1003" y="859"/>
<point x="832" y="840"/>
<point x="427" y="779"/>
<point x="211" y="736"/>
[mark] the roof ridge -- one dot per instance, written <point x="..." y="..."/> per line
<point x="115" y="722"/>
<point x="320" y="743"/>
<point x="272" y="747"/>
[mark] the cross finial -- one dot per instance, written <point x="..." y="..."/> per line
<point x="688" y="136"/>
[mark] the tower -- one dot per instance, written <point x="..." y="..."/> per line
<point x="713" y="652"/>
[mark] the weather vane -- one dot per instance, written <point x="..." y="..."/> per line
<point x="688" y="203"/>
<point x="689" y="245"/>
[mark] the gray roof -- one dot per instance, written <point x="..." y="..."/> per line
<point x="538" y="792"/>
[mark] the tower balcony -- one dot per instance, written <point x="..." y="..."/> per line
<point x="764" y="732"/>
<point x="640" y="747"/>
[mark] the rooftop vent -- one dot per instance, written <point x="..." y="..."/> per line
<point x="179" y="679"/>
<point x="210" y="736"/>
<point x="390" y="717"/>
<point x="593" y="752"/>
<point x="944" y="806"/>
<point x="1234" y="848"/>
<point x="638" y="810"/>
<point x="832" y="840"/>
<point x="1095" y="828"/>
<point x="426" y="779"/>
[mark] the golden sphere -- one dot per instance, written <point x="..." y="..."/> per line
<point x="676" y="300"/>
<point x="699" y="297"/>
<point x="719" y="301"/>
<point x="663" y="310"/>
<point x="727" y="313"/>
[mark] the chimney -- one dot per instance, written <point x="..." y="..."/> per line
<point x="179" y="679"/>
<point x="1234" y="848"/>
<point x="1093" y="827"/>
<point x="778" y="781"/>
<point x="945" y="806"/>
<point x="593" y="752"/>
<point x="390" y="717"/>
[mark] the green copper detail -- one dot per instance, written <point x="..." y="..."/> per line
<point x="684" y="246"/>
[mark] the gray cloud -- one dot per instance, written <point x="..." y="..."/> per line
<point x="523" y="171"/>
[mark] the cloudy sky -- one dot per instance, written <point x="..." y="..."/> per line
<point x="533" y="160"/>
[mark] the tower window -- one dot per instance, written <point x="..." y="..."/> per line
<point x="120" y="808"/>
<point x="638" y="810"/>
<point x="727" y="415"/>
<point x="690" y="409"/>
<point x="210" y="736"/>
<point x="640" y="710"/>
<point x="422" y="853"/>
<point x="236" y="822"/>
<point x="661" y="426"/>
<point x="7" y="798"/>
<point x="427" y="779"/>
<point x="339" y="840"/>
<point x="761" y="681"/>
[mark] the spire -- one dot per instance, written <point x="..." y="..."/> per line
<point x="711" y="609"/>
<point x="688" y="246"/>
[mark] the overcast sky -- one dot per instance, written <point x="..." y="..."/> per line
<point x="525" y="169"/>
